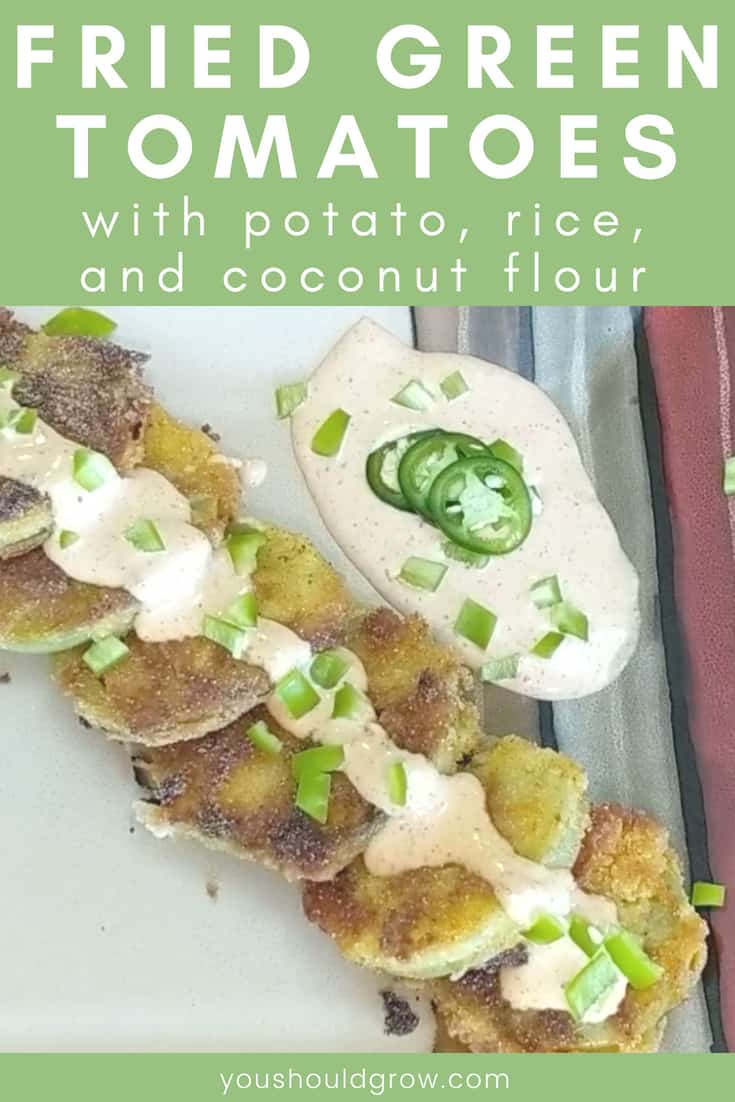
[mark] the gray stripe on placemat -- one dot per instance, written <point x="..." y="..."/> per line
<point x="502" y="335"/>
<point x="689" y="784"/>
<point x="585" y="360"/>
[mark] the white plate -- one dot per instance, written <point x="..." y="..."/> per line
<point x="109" y="939"/>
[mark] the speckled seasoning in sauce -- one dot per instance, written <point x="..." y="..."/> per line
<point x="571" y="537"/>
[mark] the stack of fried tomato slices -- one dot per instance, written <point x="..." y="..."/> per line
<point x="185" y="706"/>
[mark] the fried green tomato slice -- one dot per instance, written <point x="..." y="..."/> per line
<point x="260" y="820"/>
<point x="162" y="692"/>
<point x="626" y="857"/>
<point x="425" y="698"/>
<point x="42" y="611"/>
<point x="231" y="796"/>
<point x="188" y="458"/>
<point x="536" y="798"/>
<point x="296" y="586"/>
<point x="90" y="391"/>
<point x="26" y="519"/>
<point x="418" y="925"/>
<point x="166" y="692"/>
<point x="437" y="922"/>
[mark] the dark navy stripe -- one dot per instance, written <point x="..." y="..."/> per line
<point x="692" y="801"/>
<point x="526" y="359"/>
<point x="546" y="729"/>
<point x="414" y="328"/>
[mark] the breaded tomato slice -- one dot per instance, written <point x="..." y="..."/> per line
<point x="437" y="922"/>
<point x="162" y="692"/>
<point x="231" y="796"/>
<point x="43" y="611"/>
<point x="90" y="391"/>
<point x="626" y="857"/>
<point x="189" y="459"/>
<point x="537" y="799"/>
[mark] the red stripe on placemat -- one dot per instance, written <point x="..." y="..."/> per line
<point x="693" y="359"/>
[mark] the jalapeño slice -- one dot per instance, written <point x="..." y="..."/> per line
<point x="483" y="504"/>
<point x="381" y="469"/>
<point x="426" y="459"/>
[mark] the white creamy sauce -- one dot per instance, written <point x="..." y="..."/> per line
<point x="175" y="587"/>
<point x="443" y="820"/>
<point x="539" y="983"/>
<point x="571" y="535"/>
<point x="276" y="649"/>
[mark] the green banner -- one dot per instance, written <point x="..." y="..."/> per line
<point x="393" y="152"/>
<point x="197" y="1078"/>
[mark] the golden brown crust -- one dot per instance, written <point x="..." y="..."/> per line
<point x="446" y="1042"/>
<point x="298" y="587"/>
<point x="163" y="692"/>
<point x="42" y="610"/>
<point x="424" y="697"/>
<point x="188" y="458"/>
<point x="227" y="793"/>
<point x="90" y="391"/>
<point x="537" y="798"/>
<point x="399" y="650"/>
<point x="418" y="924"/>
<point x="625" y="856"/>
<point x="26" y="519"/>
